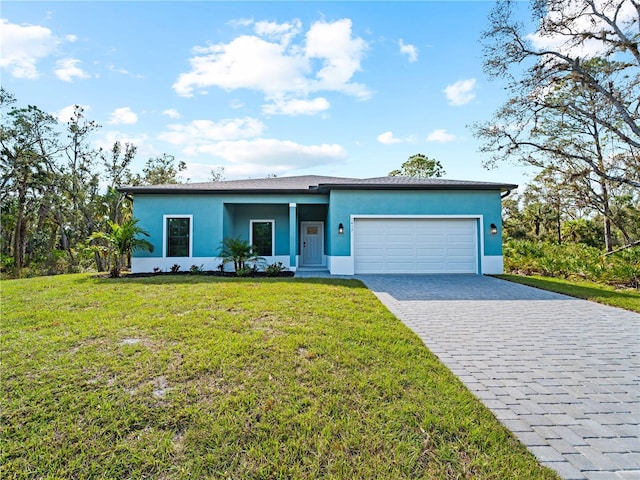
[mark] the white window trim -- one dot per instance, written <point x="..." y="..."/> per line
<point x="273" y="232"/>
<point x="164" y="234"/>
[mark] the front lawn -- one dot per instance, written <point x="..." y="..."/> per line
<point x="205" y="377"/>
<point x="628" y="299"/>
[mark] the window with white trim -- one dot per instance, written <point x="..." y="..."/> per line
<point x="178" y="236"/>
<point x="262" y="237"/>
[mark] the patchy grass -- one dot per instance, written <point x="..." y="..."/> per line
<point x="628" y="299"/>
<point x="204" y="377"/>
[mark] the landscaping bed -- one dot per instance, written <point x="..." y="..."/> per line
<point x="212" y="273"/>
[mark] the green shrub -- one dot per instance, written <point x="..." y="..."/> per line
<point x="244" y="271"/>
<point x="572" y="260"/>
<point x="274" y="269"/>
<point x="196" y="270"/>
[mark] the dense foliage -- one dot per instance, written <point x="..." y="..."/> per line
<point x="548" y="232"/>
<point x="573" y="261"/>
<point x="57" y="190"/>
<point x="573" y="113"/>
<point x="419" y="166"/>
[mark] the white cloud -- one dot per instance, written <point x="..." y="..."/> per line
<point x="273" y="154"/>
<point x="246" y="62"/>
<point x="113" y="68"/>
<point x="65" y="113"/>
<point x="71" y="38"/>
<point x="67" y="69"/>
<point x="333" y="43"/>
<point x="23" y="46"/>
<point x="240" y="22"/>
<point x="203" y="132"/>
<point x="410" y="50"/>
<point x="123" y="115"/>
<point x="171" y="113"/>
<point x="240" y="144"/>
<point x="281" y="32"/>
<point x="441" y="135"/>
<point x="280" y="68"/>
<point x="461" y="92"/>
<point x="387" y="138"/>
<point x="296" y="107"/>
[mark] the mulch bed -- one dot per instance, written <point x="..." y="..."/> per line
<point x="208" y="273"/>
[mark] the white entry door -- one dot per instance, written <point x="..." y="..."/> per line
<point x="312" y="243"/>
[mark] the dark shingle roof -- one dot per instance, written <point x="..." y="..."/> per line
<point x="317" y="183"/>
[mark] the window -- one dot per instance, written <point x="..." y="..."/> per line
<point x="178" y="236"/>
<point x="262" y="237"/>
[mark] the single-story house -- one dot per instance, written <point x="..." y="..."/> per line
<point x="344" y="225"/>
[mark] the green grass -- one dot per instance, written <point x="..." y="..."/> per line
<point x="202" y="377"/>
<point x="628" y="299"/>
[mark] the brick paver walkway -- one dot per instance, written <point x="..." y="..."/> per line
<point x="561" y="373"/>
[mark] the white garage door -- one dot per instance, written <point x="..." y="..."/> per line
<point x="400" y="245"/>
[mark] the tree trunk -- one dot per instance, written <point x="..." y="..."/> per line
<point x="607" y="213"/>
<point x="607" y="235"/>
<point x="99" y="262"/>
<point x="20" y="233"/>
<point x="64" y="241"/>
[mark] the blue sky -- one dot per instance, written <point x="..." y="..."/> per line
<point x="285" y="88"/>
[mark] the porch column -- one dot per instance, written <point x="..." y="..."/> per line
<point x="293" y="235"/>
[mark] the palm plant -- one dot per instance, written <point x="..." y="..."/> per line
<point x="239" y="252"/>
<point x="122" y="241"/>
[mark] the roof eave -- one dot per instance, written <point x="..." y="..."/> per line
<point x="355" y="186"/>
<point x="197" y="191"/>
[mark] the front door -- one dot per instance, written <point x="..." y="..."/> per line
<point x="312" y="243"/>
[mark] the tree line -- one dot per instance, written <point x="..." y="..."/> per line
<point x="57" y="189"/>
<point x="573" y="113"/>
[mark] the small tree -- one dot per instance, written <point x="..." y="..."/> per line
<point x="239" y="252"/>
<point x="419" y="166"/>
<point x="122" y="241"/>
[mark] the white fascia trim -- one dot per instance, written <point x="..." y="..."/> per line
<point x="273" y="231"/>
<point x="164" y="233"/>
<point x="480" y="251"/>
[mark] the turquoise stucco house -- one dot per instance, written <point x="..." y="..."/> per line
<point x="344" y="225"/>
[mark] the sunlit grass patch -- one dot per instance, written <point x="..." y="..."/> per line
<point x="204" y="377"/>
<point x="628" y="299"/>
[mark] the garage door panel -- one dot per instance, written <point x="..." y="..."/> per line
<point x="430" y="237"/>
<point x="455" y="251"/>
<point x="415" y="245"/>
<point x="429" y="252"/>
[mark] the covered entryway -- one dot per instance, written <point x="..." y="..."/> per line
<point x="415" y="245"/>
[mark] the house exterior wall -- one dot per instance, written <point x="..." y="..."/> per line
<point x="484" y="205"/>
<point x="215" y="217"/>
<point x="244" y="213"/>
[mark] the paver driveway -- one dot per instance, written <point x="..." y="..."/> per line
<point x="561" y="373"/>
